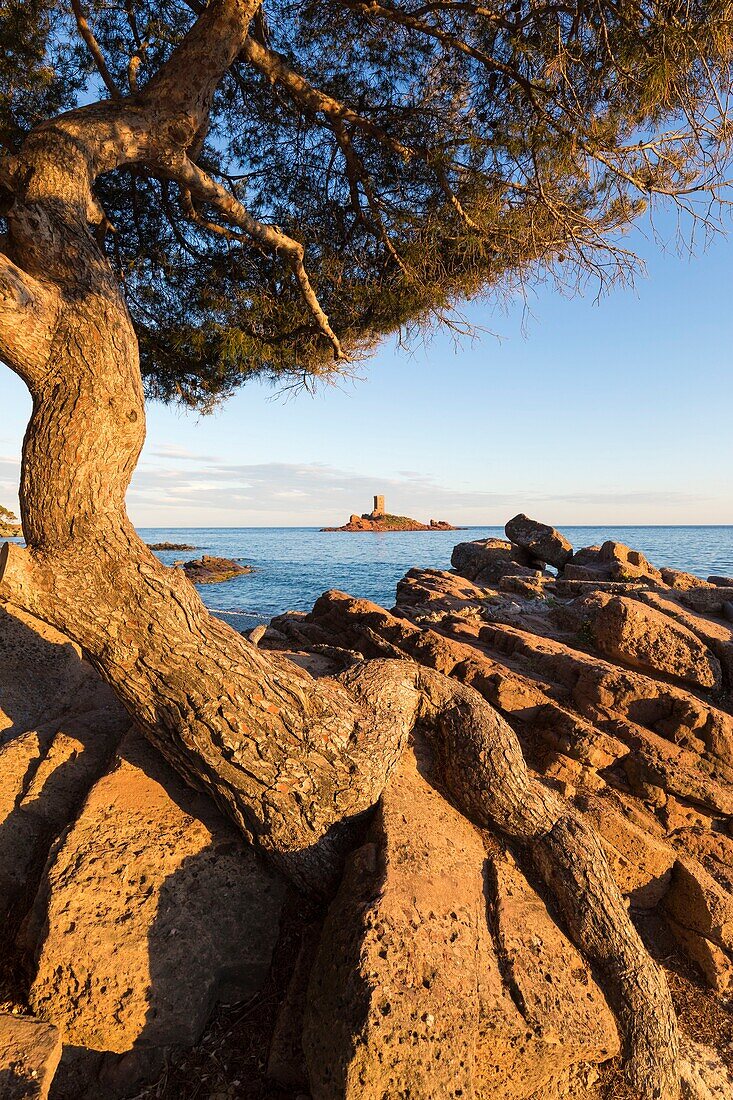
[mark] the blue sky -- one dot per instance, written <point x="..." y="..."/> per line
<point x="613" y="412"/>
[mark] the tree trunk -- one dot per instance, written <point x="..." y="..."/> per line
<point x="286" y="756"/>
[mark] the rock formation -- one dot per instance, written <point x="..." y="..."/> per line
<point x="542" y="542"/>
<point x="380" y="520"/>
<point x="208" y="570"/>
<point x="170" y="546"/>
<point x="30" y="1051"/>
<point x="458" y="955"/>
<point x="618" y="685"/>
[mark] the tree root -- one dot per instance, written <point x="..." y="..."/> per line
<point x="481" y="762"/>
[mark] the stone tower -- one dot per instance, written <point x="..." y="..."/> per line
<point x="378" y="507"/>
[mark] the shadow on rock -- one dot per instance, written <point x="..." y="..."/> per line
<point x="151" y="911"/>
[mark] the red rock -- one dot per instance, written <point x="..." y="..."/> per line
<point x="151" y="910"/>
<point x="612" y="562"/>
<point x="408" y="997"/>
<point x="29" y="1054"/>
<point x="703" y="1074"/>
<point x="626" y="630"/>
<point x="542" y="542"/>
<point x="486" y="561"/>
<point x="208" y="570"/>
<point x="640" y="861"/>
<point x="677" y="578"/>
<point x="61" y="726"/>
<point x="425" y="595"/>
<point x="700" y="914"/>
<point x="708" y="601"/>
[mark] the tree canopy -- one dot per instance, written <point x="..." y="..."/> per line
<point x="366" y="163"/>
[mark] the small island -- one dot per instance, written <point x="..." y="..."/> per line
<point x="171" y="546"/>
<point x="9" y="526"/>
<point x="380" y="520"/>
<point x="208" y="570"/>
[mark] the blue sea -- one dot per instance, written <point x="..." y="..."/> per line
<point x="294" y="565"/>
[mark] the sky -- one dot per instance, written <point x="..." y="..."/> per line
<point x="618" y="411"/>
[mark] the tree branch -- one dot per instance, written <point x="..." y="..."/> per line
<point x="371" y="9"/>
<point x="275" y="68"/>
<point x="358" y="175"/>
<point x="28" y="313"/>
<point x="186" y="83"/>
<point x="190" y="177"/>
<point x="98" y="57"/>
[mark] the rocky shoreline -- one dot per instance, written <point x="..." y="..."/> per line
<point x="133" y="909"/>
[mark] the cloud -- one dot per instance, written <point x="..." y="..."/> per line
<point x="171" y="450"/>
<point x="312" y="494"/>
<point x="309" y="493"/>
<point x="174" y="487"/>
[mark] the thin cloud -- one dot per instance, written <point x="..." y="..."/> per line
<point x="170" y="450"/>
<point x="310" y="494"/>
<point x="176" y="487"/>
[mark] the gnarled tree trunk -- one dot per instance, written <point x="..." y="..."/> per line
<point x="290" y="759"/>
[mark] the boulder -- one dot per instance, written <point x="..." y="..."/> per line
<point x="712" y="849"/>
<point x="629" y="631"/>
<point x="41" y="671"/>
<point x="60" y="726"/>
<point x="721" y="582"/>
<point x="700" y="913"/>
<point x="613" y="561"/>
<point x="170" y="546"/>
<point x="717" y="636"/>
<point x="151" y="909"/>
<point x="29" y="1054"/>
<point x="703" y="1074"/>
<point x="708" y="601"/>
<point x="677" y="578"/>
<point x="425" y="595"/>
<point x="208" y="570"/>
<point x="419" y="990"/>
<point x="542" y="542"/>
<point x="626" y="563"/>
<point x="486" y="561"/>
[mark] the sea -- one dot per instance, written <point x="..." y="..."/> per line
<point x="294" y="565"/>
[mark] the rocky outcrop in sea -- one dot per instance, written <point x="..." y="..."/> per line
<point x="210" y="570"/>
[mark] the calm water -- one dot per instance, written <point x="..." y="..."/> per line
<point x="294" y="565"/>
